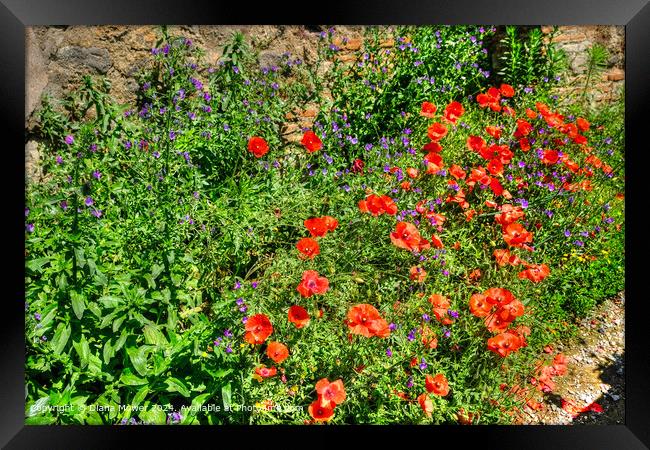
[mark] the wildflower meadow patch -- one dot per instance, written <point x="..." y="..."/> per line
<point x="405" y="260"/>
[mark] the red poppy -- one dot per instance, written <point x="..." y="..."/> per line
<point x="357" y="166"/>
<point x="407" y="236"/>
<point x="495" y="167"/>
<point x="406" y="185"/>
<point x="412" y="172"/>
<point x="441" y="306"/>
<point x="330" y="222"/>
<point x="436" y="241"/>
<point x="312" y="284"/>
<point x="277" y="352"/>
<point x="504" y="343"/>
<point x="365" y="320"/>
<point x="428" y="110"/>
<point x="480" y="175"/>
<point x="437" y="385"/>
<point x="595" y="161"/>
<point x="426" y="404"/>
<point x="507" y="90"/>
<point x="496" y="324"/>
<point x="436" y="131"/>
<point x="311" y="142"/>
<point x="258" y="328"/>
<point x="510" y="311"/>
<point x="490" y="99"/>
<point x="438" y="219"/>
<point x="453" y="111"/>
<point x="317" y="226"/>
<point x="298" y="316"/>
<point x="434" y="163"/>
<point x="523" y="128"/>
<point x="516" y="235"/>
<point x="504" y="257"/>
<point x="429" y="338"/>
<point x="258" y="146"/>
<point x="495" y="132"/>
<point x="308" y="247"/>
<point x="524" y="144"/>
<point x="535" y="272"/>
<point x="330" y="393"/>
<point x="550" y="157"/>
<point x="266" y="372"/>
<point x="417" y="274"/>
<point x="509" y="214"/>
<point x="583" y="125"/>
<point x="498" y="296"/>
<point x="479" y="306"/>
<point x="457" y="172"/>
<point x="376" y="205"/>
<point x="475" y="275"/>
<point x="432" y="147"/>
<point x="475" y="143"/>
<point x="319" y="412"/>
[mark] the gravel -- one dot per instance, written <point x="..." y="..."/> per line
<point x="596" y="371"/>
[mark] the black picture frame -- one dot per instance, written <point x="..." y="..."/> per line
<point x="15" y="15"/>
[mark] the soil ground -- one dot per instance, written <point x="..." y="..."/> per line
<point x="595" y="371"/>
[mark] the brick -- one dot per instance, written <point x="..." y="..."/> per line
<point x="616" y="74"/>
<point x="311" y="112"/>
<point x="570" y="37"/>
<point x="290" y="128"/>
<point x="353" y="44"/>
<point x="347" y="57"/>
<point x="387" y="43"/>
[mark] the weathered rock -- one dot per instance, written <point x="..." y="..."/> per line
<point x="36" y="73"/>
<point x="80" y="57"/>
<point x="32" y="162"/>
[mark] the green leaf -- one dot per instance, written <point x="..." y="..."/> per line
<point x="176" y="385"/>
<point x="40" y="420"/>
<point x="95" y="365"/>
<point x="78" y="304"/>
<point x="83" y="350"/>
<point x="120" y="342"/>
<point x="110" y="301"/>
<point x="155" y="415"/>
<point x="153" y="335"/>
<point x="100" y="279"/>
<point x="79" y="256"/>
<point x="117" y="323"/>
<point x="92" y="267"/>
<point x="226" y="395"/>
<point x="139" y="359"/>
<point x="60" y="338"/>
<point x="36" y="265"/>
<point x="128" y="379"/>
<point x="96" y="310"/>
<point x="140" y="396"/>
<point x="197" y="402"/>
<point x="150" y="281"/>
<point x="108" y="352"/>
<point x="156" y="270"/>
<point x="38" y="407"/>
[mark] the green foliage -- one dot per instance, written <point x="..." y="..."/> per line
<point x="528" y="58"/>
<point x="155" y="232"/>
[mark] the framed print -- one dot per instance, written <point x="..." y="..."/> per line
<point x="400" y="219"/>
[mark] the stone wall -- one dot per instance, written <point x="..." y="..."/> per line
<point x="575" y="41"/>
<point x="57" y="58"/>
